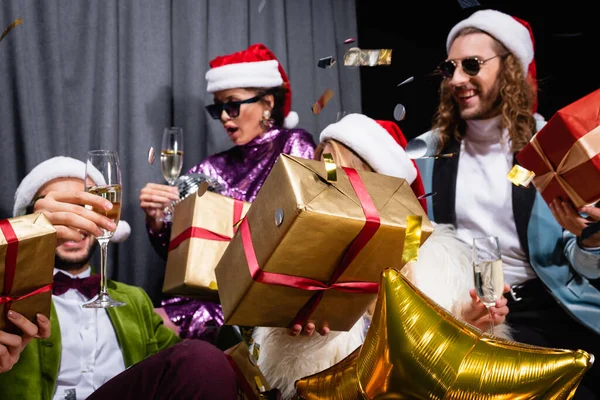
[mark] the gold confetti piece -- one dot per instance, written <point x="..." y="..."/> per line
<point x="326" y="62"/>
<point x="356" y="57"/>
<point x="151" y="155"/>
<point x="322" y="102"/>
<point x="10" y="27"/>
<point x="259" y="384"/>
<point x="330" y="167"/>
<point x="520" y="176"/>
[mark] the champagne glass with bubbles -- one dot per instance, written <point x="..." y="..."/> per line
<point x="103" y="178"/>
<point x="171" y="161"/>
<point x="488" y="272"/>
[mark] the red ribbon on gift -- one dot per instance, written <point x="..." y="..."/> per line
<point x="372" y="223"/>
<point x="10" y="266"/>
<point x="202" y="233"/>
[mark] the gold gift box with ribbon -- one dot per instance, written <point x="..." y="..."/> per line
<point x="203" y="225"/>
<point x="27" y="249"/>
<point x="564" y="156"/>
<point x="251" y="380"/>
<point x="312" y="249"/>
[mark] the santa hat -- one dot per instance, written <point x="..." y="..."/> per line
<point x="381" y="144"/>
<point x="514" y="33"/>
<point x="54" y="168"/>
<point x="255" y="67"/>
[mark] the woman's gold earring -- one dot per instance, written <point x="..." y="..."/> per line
<point x="266" y="120"/>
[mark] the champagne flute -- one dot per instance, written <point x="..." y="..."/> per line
<point x="488" y="272"/>
<point x="103" y="178"/>
<point x="171" y="161"/>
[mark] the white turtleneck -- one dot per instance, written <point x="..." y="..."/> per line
<point x="484" y="195"/>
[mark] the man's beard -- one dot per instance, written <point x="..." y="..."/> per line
<point x="489" y="105"/>
<point x="75" y="263"/>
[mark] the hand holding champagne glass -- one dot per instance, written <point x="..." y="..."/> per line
<point x="103" y="178"/>
<point x="171" y="161"/>
<point x="488" y="272"/>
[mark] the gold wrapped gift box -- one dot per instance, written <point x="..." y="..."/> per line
<point x="251" y="380"/>
<point x="202" y="228"/>
<point x="27" y="248"/>
<point x="301" y="225"/>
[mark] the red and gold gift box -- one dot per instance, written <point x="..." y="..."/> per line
<point x="202" y="229"/>
<point x="565" y="154"/>
<point x="312" y="249"/>
<point x="251" y="380"/>
<point x="27" y="249"/>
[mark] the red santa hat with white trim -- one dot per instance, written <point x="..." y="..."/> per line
<point x="381" y="144"/>
<point x="55" y="168"/>
<point x="514" y="33"/>
<point x="255" y="67"/>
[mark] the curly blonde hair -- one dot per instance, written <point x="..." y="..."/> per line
<point x="515" y="99"/>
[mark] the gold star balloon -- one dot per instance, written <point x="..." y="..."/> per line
<point x="415" y="349"/>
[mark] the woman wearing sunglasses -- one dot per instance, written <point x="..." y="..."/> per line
<point x="486" y="116"/>
<point x="252" y="99"/>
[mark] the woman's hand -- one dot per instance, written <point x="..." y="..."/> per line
<point x="11" y="346"/>
<point x="308" y="330"/>
<point x="570" y="219"/>
<point x="476" y="314"/>
<point x="154" y="198"/>
<point x="64" y="210"/>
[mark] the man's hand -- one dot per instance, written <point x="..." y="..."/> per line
<point x="476" y="314"/>
<point x="64" y="210"/>
<point x="570" y="219"/>
<point x="11" y="345"/>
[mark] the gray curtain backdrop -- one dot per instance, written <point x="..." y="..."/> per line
<point x="78" y="75"/>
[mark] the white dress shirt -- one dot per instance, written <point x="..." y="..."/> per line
<point x="90" y="354"/>
<point x="484" y="204"/>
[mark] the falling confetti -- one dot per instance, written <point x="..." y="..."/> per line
<point x="349" y="40"/>
<point x="399" y="112"/>
<point x="322" y="102"/>
<point x="426" y="195"/>
<point x="10" y="27"/>
<point x="326" y="62"/>
<point x="356" y="57"/>
<point x="409" y="80"/>
<point x="468" y="3"/>
<point x="262" y="5"/>
<point x="151" y="155"/>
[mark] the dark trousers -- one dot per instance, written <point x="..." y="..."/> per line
<point x="539" y="320"/>
<point x="193" y="369"/>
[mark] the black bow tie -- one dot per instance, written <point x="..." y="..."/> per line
<point x="89" y="287"/>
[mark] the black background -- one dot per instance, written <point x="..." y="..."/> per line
<point x="567" y="43"/>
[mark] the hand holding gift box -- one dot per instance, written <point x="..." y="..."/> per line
<point x="312" y="250"/>
<point x="27" y="247"/>
<point x="565" y="154"/>
<point x="202" y="229"/>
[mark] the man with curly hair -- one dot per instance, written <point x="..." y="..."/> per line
<point x="485" y="116"/>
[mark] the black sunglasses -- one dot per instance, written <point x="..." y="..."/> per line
<point x="232" y="108"/>
<point x="471" y="66"/>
